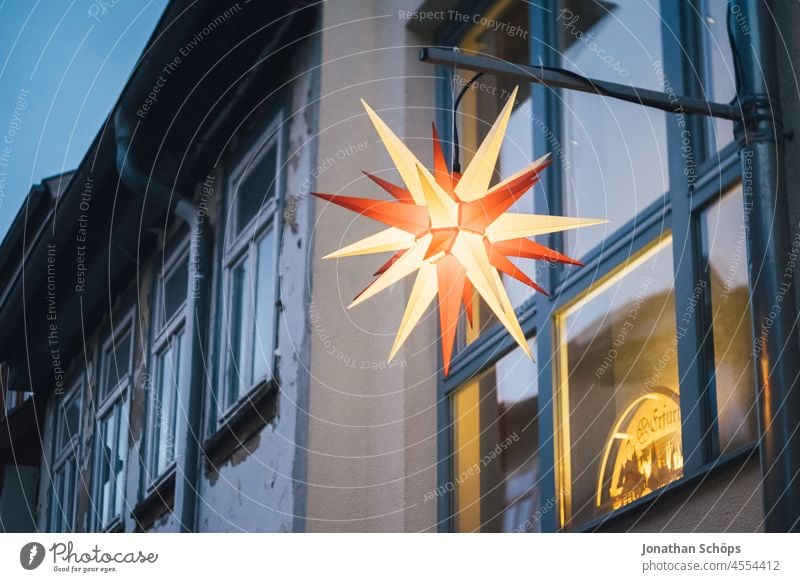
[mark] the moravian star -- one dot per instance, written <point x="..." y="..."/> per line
<point x="454" y="231"/>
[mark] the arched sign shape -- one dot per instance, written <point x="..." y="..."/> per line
<point x="643" y="451"/>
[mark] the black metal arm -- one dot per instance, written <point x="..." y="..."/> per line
<point x="561" y="78"/>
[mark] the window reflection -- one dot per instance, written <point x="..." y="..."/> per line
<point x="615" y="162"/>
<point x="726" y="256"/>
<point x="496" y="465"/>
<point x="618" y="425"/>
<point x="719" y="81"/>
<point x="612" y="40"/>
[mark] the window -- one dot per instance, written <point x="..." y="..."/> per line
<point x="168" y="344"/>
<point x="615" y="153"/>
<point x="250" y="270"/>
<point x="65" y="460"/>
<point x="496" y="461"/>
<point x="112" y="427"/>
<point x="719" y="80"/>
<point x="644" y="354"/>
<point x="724" y="241"/>
<point x="618" y="416"/>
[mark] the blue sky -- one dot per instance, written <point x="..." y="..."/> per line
<point x="62" y="66"/>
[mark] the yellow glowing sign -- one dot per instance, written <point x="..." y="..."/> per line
<point x="645" y="446"/>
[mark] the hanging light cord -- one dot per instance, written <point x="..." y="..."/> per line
<point x="456" y="103"/>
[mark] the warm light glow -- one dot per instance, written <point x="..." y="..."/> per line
<point x="454" y="231"/>
<point x="467" y="456"/>
<point x="601" y="437"/>
<point x="645" y="444"/>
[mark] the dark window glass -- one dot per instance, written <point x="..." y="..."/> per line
<point x="174" y="290"/>
<point x="255" y="187"/>
<point x="116" y="362"/>
<point x="726" y="255"/>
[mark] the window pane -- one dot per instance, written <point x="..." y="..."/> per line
<point x="113" y="431"/>
<point x="726" y="255"/>
<point x="68" y="494"/>
<point x="618" y="425"/>
<point x="264" y="299"/>
<point x="68" y="421"/>
<point x="170" y="442"/>
<point x="164" y="407"/>
<point x="174" y="290"/>
<point x="106" y="471"/>
<point x="121" y="455"/>
<point x="615" y="153"/>
<point x="615" y="40"/>
<point x="496" y="469"/>
<point x="719" y="83"/>
<point x="256" y="186"/>
<point x="479" y="108"/>
<point x="237" y="327"/>
<point x="116" y="361"/>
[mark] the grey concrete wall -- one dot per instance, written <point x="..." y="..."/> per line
<point x="372" y="427"/>
<point x="726" y="501"/>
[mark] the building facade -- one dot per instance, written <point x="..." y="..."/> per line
<point x="179" y="357"/>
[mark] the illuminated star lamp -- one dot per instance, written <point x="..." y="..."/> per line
<point x="454" y="231"/>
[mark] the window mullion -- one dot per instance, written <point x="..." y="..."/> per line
<point x="685" y="144"/>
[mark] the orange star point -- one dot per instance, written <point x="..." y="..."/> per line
<point x="455" y="232"/>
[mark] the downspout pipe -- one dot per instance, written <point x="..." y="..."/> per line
<point x="771" y="257"/>
<point x="193" y="381"/>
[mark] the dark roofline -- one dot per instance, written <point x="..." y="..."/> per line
<point x="30" y="211"/>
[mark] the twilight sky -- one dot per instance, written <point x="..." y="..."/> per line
<point x="62" y="66"/>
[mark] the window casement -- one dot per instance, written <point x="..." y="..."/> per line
<point x="249" y="273"/>
<point x="65" y="459"/>
<point x="731" y="369"/>
<point x="112" y="426"/>
<point x="496" y="466"/>
<point x="614" y="153"/>
<point x="718" y="81"/>
<point x="168" y="343"/>
<point x="645" y="369"/>
<point x="617" y="396"/>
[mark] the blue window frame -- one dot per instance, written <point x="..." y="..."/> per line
<point x="254" y="191"/>
<point x="167" y="344"/>
<point x="670" y="181"/>
<point x="112" y="426"/>
<point x="65" y="458"/>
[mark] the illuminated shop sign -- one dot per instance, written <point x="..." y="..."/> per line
<point x="643" y="451"/>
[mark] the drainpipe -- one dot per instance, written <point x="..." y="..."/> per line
<point x="192" y="378"/>
<point x="775" y="351"/>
